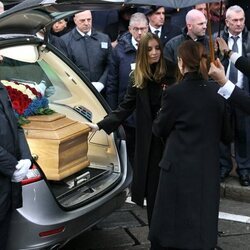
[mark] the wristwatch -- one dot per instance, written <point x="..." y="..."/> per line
<point x="228" y="53"/>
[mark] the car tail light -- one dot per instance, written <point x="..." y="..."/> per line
<point x="52" y="232"/>
<point x="32" y="176"/>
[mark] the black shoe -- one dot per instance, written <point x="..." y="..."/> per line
<point x="244" y="180"/>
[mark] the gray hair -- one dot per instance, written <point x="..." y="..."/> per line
<point x="138" y="17"/>
<point x="234" y="8"/>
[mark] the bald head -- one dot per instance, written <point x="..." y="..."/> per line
<point x="196" y="23"/>
<point x="194" y="15"/>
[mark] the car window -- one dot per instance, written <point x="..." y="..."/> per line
<point x="38" y="73"/>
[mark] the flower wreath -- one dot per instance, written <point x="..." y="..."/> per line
<point x="26" y="100"/>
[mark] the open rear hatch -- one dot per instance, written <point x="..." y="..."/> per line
<point x="71" y="95"/>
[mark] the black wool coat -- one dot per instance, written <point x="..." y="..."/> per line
<point x="193" y="118"/>
<point x="13" y="147"/>
<point x="138" y="100"/>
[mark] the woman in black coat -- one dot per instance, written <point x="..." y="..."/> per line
<point x="144" y="96"/>
<point x="194" y="118"/>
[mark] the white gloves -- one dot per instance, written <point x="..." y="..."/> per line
<point x="94" y="127"/>
<point x="22" y="168"/>
<point x="41" y="87"/>
<point x="98" y="85"/>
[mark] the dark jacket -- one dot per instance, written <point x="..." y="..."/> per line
<point x="123" y="57"/>
<point x="243" y="64"/>
<point x="239" y="97"/>
<point x="90" y="53"/>
<point x="171" y="47"/>
<point x="13" y="147"/>
<point x="169" y="31"/>
<point x="193" y="118"/>
<point x="57" y="42"/>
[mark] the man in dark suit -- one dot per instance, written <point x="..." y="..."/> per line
<point x="15" y="160"/>
<point x="157" y="24"/>
<point x="89" y="49"/>
<point x="237" y="37"/>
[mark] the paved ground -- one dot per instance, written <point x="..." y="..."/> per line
<point x="127" y="229"/>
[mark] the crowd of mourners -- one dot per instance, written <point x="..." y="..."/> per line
<point x="185" y="132"/>
<point x="186" y="118"/>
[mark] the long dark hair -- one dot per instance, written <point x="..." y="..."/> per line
<point x="194" y="57"/>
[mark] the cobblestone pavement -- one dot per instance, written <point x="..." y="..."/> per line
<point x="127" y="228"/>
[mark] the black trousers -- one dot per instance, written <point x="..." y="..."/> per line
<point x="4" y="230"/>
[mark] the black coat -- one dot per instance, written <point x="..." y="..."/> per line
<point x="171" y="47"/>
<point x="243" y="64"/>
<point x="13" y="147"/>
<point x="194" y="119"/>
<point x="239" y="97"/>
<point x="91" y="54"/>
<point x="138" y="100"/>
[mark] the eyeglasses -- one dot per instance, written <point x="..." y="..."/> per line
<point x="136" y="29"/>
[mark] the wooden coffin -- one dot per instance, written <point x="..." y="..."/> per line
<point x="60" y="144"/>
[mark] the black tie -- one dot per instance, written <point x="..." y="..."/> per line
<point x="233" y="74"/>
<point x="157" y="32"/>
<point x="86" y="35"/>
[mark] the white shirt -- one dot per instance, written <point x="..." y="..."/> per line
<point x="134" y="43"/>
<point x="154" y="29"/>
<point x="228" y="88"/>
<point x="84" y="34"/>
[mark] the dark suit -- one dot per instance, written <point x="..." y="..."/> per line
<point x="13" y="147"/>
<point x="192" y="118"/>
<point x="241" y="122"/>
<point x="168" y="31"/>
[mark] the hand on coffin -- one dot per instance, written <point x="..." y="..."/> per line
<point x="41" y="87"/>
<point x="94" y="127"/>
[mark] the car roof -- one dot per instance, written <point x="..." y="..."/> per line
<point x="29" y="17"/>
